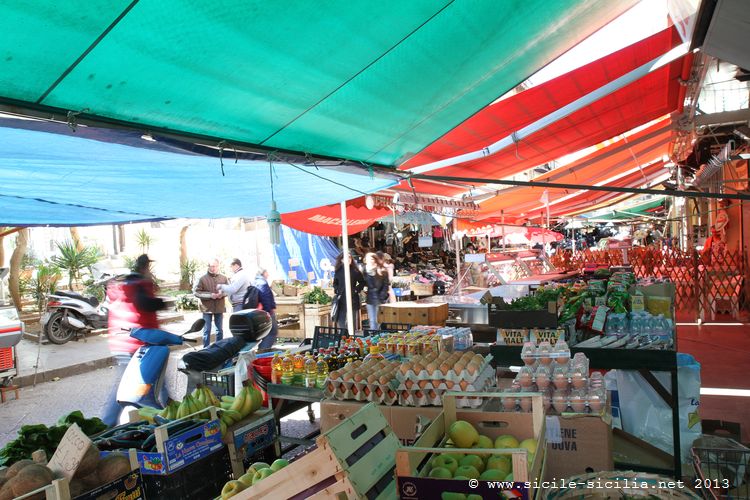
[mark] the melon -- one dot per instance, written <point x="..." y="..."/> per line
<point x="30" y="478"/>
<point x="89" y="462"/>
<point x="16" y="468"/>
<point x="112" y="467"/>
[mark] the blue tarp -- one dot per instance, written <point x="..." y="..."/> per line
<point x="64" y="179"/>
<point x="314" y="253"/>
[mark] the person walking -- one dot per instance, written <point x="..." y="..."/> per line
<point x="376" y="278"/>
<point x="338" y="306"/>
<point x="390" y="268"/>
<point x="237" y="286"/>
<point x="213" y="304"/>
<point x="268" y="304"/>
<point x="132" y="304"/>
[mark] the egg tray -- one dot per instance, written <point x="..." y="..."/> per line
<point x="355" y="391"/>
<point x="433" y="384"/>
<point x="409" y="397"/>
<point x="452" y="376"/>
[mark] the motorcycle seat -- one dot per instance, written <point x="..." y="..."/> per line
<point x="72" y="295"/>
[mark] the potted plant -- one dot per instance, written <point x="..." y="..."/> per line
<point x="74" y="261"/>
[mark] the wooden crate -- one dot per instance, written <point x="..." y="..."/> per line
<point x="413" y="313"/>
<point x="316" y="315"/>
<point x="421" y="289"/>
<point x="355" y="459"/>
<point x="410" y="461"/>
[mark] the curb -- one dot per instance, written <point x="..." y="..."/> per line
<point x="65" y="371"/>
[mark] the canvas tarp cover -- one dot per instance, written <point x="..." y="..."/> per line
<point x="361" y="80"/>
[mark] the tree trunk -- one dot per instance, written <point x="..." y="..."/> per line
<point x="184" y="280"/>
<point x="15" y="267"/>
<point x="76" y="238"/>
<point x="121" y="237"/>
<point x="2" y="248"/>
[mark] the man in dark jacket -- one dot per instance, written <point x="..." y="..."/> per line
<point x="268" y="304"/>
<point x="213" y="303"/>
<point x="338" y="308"/>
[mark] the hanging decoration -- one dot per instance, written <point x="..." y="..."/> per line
<point x="274" y="217"/>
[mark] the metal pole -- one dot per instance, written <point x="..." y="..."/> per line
<point x="347" y="272"/>
<point x="502" y="226"/>
<point x="458" y="259"/>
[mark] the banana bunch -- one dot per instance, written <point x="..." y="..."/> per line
<point x="170" y="412"/>
<point x="148" y="413"/>
<point x="189" y="406"/>
<point x="206" y="396"/>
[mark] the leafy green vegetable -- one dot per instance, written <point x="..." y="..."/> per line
<point x="317" y="296"/>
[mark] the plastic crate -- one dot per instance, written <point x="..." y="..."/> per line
<point x="221" y="384"/>
<point x="327" y="336"/>
<point x="6" y="358"/>
<point x="200" y="480"/>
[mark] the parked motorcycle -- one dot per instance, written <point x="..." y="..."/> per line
<point x="70" y="315"/>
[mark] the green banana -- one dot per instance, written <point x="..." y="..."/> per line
<point x="227" y="399"/>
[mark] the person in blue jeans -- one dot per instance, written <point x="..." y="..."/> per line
<point x="213" y="303"/>
<point x="376" y="278"/>
<point x="268" y="304"/>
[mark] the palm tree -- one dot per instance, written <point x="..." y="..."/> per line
<point x="144" y="240"/>
<point x="15" y="267"/>
<point x="74" y="261"/>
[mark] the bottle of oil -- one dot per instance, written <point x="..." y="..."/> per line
<point x="311" y="371"/>
<point x="276" y="369"/>
<point x="374" y="353"/>
<point x="299" y="369"/>
<point x="321" y="368"/>
<point x="287" y="369"/>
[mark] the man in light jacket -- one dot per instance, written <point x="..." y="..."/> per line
<point x="237" y="286"/>
<point x="212" y="302"/>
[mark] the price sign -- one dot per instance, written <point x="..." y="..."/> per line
<point x="292" y="275"/>
<point x="293" y="262"/>
<point x="637" y="302"/>
<point x="69" y="452"/>
<point x="310" y="276"/>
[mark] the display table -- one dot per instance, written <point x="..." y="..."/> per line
<point x="288" y="399"/>
<point x="641" y="360"/>
<point x="540" y="279"/>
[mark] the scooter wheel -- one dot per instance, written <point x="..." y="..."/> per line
<point x="56" y="331"/>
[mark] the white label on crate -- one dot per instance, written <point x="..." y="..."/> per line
<point x="554" y="435"/>
<point x="69" y="452"/>
<point x="292" y="275"/>
<point x="310" y="276"/>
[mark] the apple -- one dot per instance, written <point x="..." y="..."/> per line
<point x="247" y="479"/>
<point x="231" y="489"/>
<point x="473" y="461"/>
<point x="493" y="475"/>
<point x="506" y="441"/>
<point x="485" y="443"/>
<point x="468" y="471"/>
<point x="446" y="461"/>
<point x="257" y="466"/>
<point x="262" y="474"/>
<point x="474" y="497"/>
<point x="509" y="477"/>
<point x="463" y="434"/>
<point x="461" y="478"/>
<point x="501" y="463"/>
<point x="529" y="444"/>
<point x="440" y="473"/>
<point x="449" y="495"/>
<point x="279" y="464"/>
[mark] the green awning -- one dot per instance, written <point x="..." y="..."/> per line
<point x="650" y="208"/>
<point x="354" y="79"/>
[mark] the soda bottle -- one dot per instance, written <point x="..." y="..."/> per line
<point x="276" y="369"/>
<point x="299" y="369"/>
<point x="287" y="369"/>
<point x="321" y="368"/>
<point x="311" y="371"/>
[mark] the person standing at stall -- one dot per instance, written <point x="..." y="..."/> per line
<point x="338" y="306"/>
<point x="390" y="268"/>
<point x="268" y="304"/>
<point x="213" y="304"/>
<point x="376" y="278"/>
<point x="237" y="285"/>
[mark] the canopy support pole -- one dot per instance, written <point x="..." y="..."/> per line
<point x="502" y="227"/>
<point x="347" y="272"/>
<point x="561" y="113"/>
<point x="458" y="260"/>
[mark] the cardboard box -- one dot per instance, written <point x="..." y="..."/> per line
<point x="578" y="444"/>
<point x="405" y="421"/>
<point x="249" y="436"/>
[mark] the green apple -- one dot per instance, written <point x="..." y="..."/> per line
<point x="440" y="473"/>
<point x="509" y="477"/>
<point x="257" y="466"/>
<point x="262" y="474"/>
<point x="279" y="464"/>
<point x="448" y="495"/>
<point x="463" y="434"/>
<point x="473" y="461"/>
<point x="231" y="489"/>
<point x="506" y="441"/>
<point x="468" y="471"/>
<point x="247" y="479"/>
<point x="447" y="461"/>
<point x="529" y="444"/>
<point x="502" y="463"/>
<point x="492" y="475"/>
<point x="474" y="497"/>
<point x="461" y="478"/>
<point x="485" y="443"/>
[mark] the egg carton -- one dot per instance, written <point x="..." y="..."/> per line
<point x="362" y="392"/>
<point x="434" y="397"/>
<point x="464" y="385"/>
<point x="451" y="376"/>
